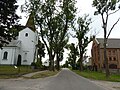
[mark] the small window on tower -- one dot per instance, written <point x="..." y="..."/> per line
<point x="26" y="34"/>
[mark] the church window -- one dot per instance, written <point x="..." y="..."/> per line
<point x="24" y="60"/>
<point x="5" y="55"/>
<point x="26" y="34"/>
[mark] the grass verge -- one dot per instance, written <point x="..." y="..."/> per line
<point x="98" y="76"/>
<point x="7" y="72"/>
<point x="44" y="74"/>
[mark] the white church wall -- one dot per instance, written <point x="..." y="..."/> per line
<point x="27" y="48"/>
<point x="17" y="52"/>
<point x="10" y="56"/>
<point x="27" y="38"/>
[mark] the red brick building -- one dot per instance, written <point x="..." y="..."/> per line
<point x="113" y="53"/>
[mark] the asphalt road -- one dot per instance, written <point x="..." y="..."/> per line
<point x="65" y="80"/>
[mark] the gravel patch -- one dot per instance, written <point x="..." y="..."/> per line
<point x="108" y="85"/>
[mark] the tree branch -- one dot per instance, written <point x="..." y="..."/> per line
<point x="103" y="20"/>
<point x="112" y="27"/>
<point x="114" y="12"/>
<point x="41" y="30"/>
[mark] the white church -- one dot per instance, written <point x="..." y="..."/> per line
<point x="23" y="50"/>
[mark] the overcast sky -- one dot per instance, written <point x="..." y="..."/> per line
<point x="85" y="7"/>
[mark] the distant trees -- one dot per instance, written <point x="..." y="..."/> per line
<point x="8" y="20"/>
<point x="106" y="8"/>
<point x="72" y="56"/>
<point x="81" y="29"/>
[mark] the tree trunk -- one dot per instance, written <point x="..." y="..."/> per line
<point x="81" y="56"/>
<point x="53" y="69"/>
<point x="81" y="64"/>
<point x="105" y="55"/>
<point x="57" y="62"/>
<point x="50" y="61"/>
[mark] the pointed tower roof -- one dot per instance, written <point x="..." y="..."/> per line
<point x="30" y="23"/>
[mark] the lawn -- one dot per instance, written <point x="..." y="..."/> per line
<point x="7" y="72"/>
<point x="12" y="71"/>
<point x="98" y="75"/>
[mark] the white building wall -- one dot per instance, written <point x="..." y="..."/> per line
<point x="26" y="49"/>
<point x="16" y="53"/>
<point x="27" y="45"/>
<point x="10" y="56"/>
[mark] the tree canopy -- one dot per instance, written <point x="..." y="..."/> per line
<point x="8" y="20"/>
<point x="53" y="17"/>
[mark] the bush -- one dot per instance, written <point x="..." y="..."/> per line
<point x="33" y="64"/>
<point x="39" y="65"/>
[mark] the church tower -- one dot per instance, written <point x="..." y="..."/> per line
<point x="31" y="23"/>
<point x="29" y="40"/>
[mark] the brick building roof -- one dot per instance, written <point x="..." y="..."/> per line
<point x="111" y="42"/>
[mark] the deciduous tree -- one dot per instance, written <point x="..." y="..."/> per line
<point x="73" y="55"/>
<point x="53" y="17"/>
<point x="8" y="20"/>
<point x="106" y="8"/>
<point x="81" y="29"/>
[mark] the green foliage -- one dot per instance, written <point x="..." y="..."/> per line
<point x="41" y="49"/>
<point x="39" y="64"/>
<point x="66" y="65"/>
<point x="8" y="20"/>
<point x="104" y="6"/>
<point x="33" y="64"/>
<point x="54" y="18"/>
<point x="81" y="30"/>
<point x="73" y="55"/>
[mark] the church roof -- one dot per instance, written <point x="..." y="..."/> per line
<point x="111" y="42"/>
<point x="13" y="43"/>
<point x="30" y="23"/>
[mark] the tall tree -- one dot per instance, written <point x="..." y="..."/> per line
<point x="59" y="43"/>
<point x="81" y="30"/>
<point x="106" y="8"/>
<point x="59" y="50"/>
<point x="73" y="55"/>
<point x="8" y="20"/>
<point x="52" y="17"/>
<point x="41" y="50"/>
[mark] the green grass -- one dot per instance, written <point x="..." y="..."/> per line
<point x="44" y="74"/>
<point x="12" y="72"/>
<point x="98" y="76"/>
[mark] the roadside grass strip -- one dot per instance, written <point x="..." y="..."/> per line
<point x="7" y="72"/>
<point x="98" y="76"/>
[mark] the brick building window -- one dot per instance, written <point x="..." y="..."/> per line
<point x="113" y="52"/>
<point x="109" y="52"/>
<point x="110" y="59"/>
<point x="113" y="66"/>
<point x="114" y="58"/>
